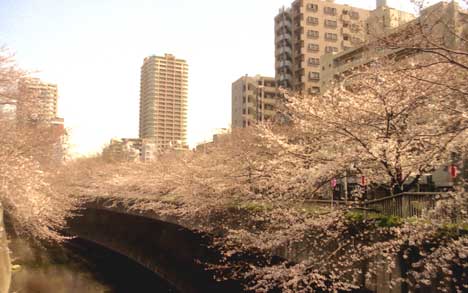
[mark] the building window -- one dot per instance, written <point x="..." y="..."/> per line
<point x="345" y="12"/>
<point x="354" y="15"/>
<point x="355" y="27"/>
<point x="314" y="90"/>
<point x="329" y="10"/>
<point x="330" y="49"/>
<point x="314" y="61"/>
<point x="312" y="7"/>
<point x="355" y="40"/>
<point x="313" y="47"/>
<point x="312" y="20"/>
<point x="330" y="23"/>
<point x="314" y="76"/>
<point x="331" y="37"/>
<point x="312" y="34"/>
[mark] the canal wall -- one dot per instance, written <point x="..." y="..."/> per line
<point x="173" y="252"/>
<point x="5" y="265"/>
<point x="169" y="247"/>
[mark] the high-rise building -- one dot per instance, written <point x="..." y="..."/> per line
<point x="253" y="100"/>
<point x="312" y="28"/>
<point x="307" y="30"/>
<point x="38" y="100"/>
<point x="163" y="101"/>
<point x="35" y="106"/>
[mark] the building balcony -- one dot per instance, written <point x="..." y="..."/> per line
<point x="286" y="37"/>
<point x="285" y="63"/>
<point x="285" y="50"/>
<point x="346" y="44"/>
<point x="346" y="31"/>
<point x="269" y="101"/>
<point x="285" y="23"/>
<point x="285" y="76"/>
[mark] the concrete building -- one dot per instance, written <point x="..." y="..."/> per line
<point x="253" y="100"/>
<point x="123" y="149"/>
<point x="310" y="29"/>
<point x="38" y="100"/>
<point x="217" y="137"/>
<point x="149" y="150"/>
<point x="306" y="31"/>
<point x="445" y="20"/>
<point x="59" y="135"/>
<point x="36" y="105"/>
<point x="163" y="101"/>
<point x="384" y="18"/>
<point x="131" y="149"/>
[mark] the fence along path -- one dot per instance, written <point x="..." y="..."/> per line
<point x="406" y="204"/>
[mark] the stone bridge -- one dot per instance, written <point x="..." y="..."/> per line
<point x="173" y="252"/>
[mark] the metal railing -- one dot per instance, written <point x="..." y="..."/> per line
<point x="404" y="205"/>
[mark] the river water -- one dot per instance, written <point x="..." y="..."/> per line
<point x="79" y="267"/>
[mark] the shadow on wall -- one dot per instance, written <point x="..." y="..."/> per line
<point x="5" y="265"/>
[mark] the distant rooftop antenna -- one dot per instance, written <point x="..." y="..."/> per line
<point x="381" y="3"/>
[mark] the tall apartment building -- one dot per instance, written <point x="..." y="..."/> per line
<point x="310" y="29"/>
<point x="253" y="100"/>
<point x="36" y="105"/>
<point x="38" y="100"/>
<point x="307" y="30"/>
<point x="163" y="101"/>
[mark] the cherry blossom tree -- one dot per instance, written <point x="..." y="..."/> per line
<point x="392" y="127"/>
<point x="31" y="204"/>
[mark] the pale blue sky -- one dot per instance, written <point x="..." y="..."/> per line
<point x="93" y="50"/>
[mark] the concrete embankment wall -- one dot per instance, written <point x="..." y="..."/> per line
<point x="5" y="265"/>
<point x="174" y="253"/>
